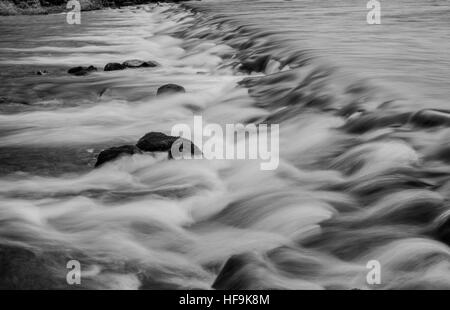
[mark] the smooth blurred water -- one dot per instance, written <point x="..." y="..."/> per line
<point x="361" y="177"/>
<point x="408" y="52"/>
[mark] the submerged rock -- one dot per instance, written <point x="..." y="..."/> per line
<point x="442" y="231"/>
<point x="241" y="272"/>
<point x="359" y="122"/>
<point x="444" y="153"/>
<point x="113" y="66"/>
<point x="441" y="152"/>
<point x="41" y="72"/>
<point x="136" y="63"/>
<point x="170" y="89"/>
<point x="114" y="153"/>
<point x="431" y="118"/>
<point x="252" y="271"/>
<point x="255" y="64"/>
<point x="81" y="70"/>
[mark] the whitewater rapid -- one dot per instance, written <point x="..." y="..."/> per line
<point x="358" y="179"/>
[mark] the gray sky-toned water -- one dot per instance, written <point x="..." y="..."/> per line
<point x="408" y="51"/>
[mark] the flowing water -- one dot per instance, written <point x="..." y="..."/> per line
<point x="364" y="174"/>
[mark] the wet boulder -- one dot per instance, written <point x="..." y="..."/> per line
<point x="431" y="118"/>
<point x="441" y="152"/>
<point x="114" y="153"/>
<point x="80" y="70"/>
<point x="114" y="66"/>
<point x="156" y="142"/>
<point x="160" y="142"/>
<point x="136" y="63"/>
<point x="170" y="89"/>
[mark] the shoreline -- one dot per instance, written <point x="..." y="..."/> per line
<point x="8" y="8"/>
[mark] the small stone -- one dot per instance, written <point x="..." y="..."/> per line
<point x="81" y="70"/>
<point x="170" y="89"/>
<point x="136" y="63"/>
<point x="114" y="66"/>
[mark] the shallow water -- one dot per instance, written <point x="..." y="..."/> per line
<point x="407" y="52"/>
<point x="361" y="177"/>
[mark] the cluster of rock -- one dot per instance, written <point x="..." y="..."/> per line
<point x="132" y="64"/>
<point x="361" y="122"/>
<point x="151" y="142"/>
<point x="129" y="64"/>
<point x="113" y="66"/>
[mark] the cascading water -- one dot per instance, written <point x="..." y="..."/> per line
<point x="363" y="175"/>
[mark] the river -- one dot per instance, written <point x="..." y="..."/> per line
<point x="363" y="172"/>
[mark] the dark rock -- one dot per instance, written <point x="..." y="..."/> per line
<point x="115" y="152"/>
<point x="431" y="118"/>
<point x="156" y="142"/>
<point x="136" y="63"/>
<point x="113" y="66"/>
<point x="81" y="70"/>
<point x="170" y="89"/>
<point x="255" y="64"/>
<point x="41" y="72"/>
<point x="160" y="142"/>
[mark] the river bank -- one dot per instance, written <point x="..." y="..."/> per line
<point x="34" y="7"/>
